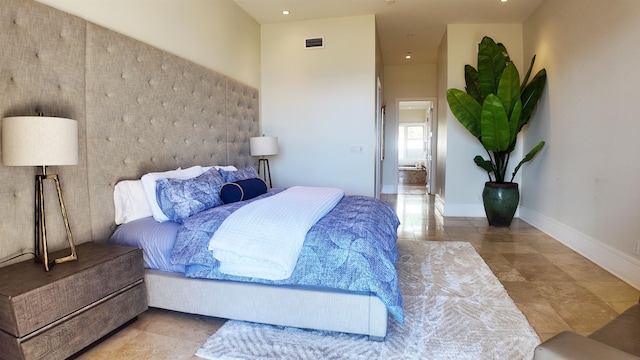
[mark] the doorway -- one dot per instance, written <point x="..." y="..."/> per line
<point x="415" y="125"/>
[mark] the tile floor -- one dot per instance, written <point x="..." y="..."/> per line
<point x="555" y="288"/>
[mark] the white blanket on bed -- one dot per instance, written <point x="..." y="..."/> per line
<point x="263" y="239"/>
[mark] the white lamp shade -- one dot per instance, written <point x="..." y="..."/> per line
<point x="264" y="145"/>
<point x="39" y="141"/>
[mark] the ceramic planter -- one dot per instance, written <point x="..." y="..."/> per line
<point x="500" y="202"/>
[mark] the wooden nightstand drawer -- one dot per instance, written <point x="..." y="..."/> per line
<point x="72" y="305"/>
<point x="72" y="333"/>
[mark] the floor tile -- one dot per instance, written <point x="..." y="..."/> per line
<point x="524" y="292"/>
<point x="585" y="317"/>
<point x="616" y="291"/>
<point x="565" y="292"/>
<point x="543" y="318"/>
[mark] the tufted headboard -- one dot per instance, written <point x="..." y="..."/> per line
<point x="139" y="109"/>
<point x="148" y="110"/>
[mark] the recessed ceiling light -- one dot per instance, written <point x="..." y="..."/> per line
<point x="408" y="56"/>
<point x="285" y="12"/>
<point x="504" y="0"/>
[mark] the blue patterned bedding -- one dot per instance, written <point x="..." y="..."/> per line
<point x="352" y="248"/>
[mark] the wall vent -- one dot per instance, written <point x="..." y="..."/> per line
<point x="314" y="43"/>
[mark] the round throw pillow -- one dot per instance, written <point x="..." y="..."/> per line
<point x="242" y="190"/>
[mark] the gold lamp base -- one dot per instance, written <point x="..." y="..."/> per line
<point x="40" y="246"/>
<point x="263" y="164"/>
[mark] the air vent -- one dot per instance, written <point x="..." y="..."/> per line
<point x="314" y="43"/>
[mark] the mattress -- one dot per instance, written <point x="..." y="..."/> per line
<point x="351" y="249"/>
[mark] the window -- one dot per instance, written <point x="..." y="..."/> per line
<point x="411" y="142"/>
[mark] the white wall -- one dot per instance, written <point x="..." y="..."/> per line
<point x="402" y="82"/>
<point x="321" y="102"/>
<point x="216" y="34"/>
<point x="464" y="181"/>
<point x="440" y="126"/>
<point x="413" y="116"/>
<point x="582" y="189"/>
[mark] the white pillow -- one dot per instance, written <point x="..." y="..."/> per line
<point x="225" y="168"/>
<point x="130" y="201"/>
<point x="149" y="185"/>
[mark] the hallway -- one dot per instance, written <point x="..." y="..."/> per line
<point x="555" y="288"/>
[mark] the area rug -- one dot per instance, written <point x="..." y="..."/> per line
<point x="455" y="308"/>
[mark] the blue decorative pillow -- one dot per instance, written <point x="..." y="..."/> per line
<point x="242" y="190"/>
<point x="181" y="198"/>
<point x="241" y="174"/>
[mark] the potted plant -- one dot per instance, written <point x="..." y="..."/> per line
<point x="494" y="108"/>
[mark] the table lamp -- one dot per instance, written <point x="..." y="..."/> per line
<point x="264" y="146"/>
<point x="42" y="141"/>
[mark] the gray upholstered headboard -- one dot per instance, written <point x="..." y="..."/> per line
<point x="139" y="109"/>
<point x="148" y="110"/>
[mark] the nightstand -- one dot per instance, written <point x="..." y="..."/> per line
<point x="53" y="315"/>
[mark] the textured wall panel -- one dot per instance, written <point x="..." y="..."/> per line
<point x="42" y="71"/>
<point x="139" y="109"/>
<point x="149" y="110"/>
<point x="242" y="114"/>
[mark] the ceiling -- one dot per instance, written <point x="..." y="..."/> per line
<point x="404" y="26"/>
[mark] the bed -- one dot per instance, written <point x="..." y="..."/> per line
<point x="140" y="110"/>
<point x="342" y="278"/>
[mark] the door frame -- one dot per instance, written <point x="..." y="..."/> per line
<point x="431" y="139"/>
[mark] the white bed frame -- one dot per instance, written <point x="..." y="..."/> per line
<point x="303" y="307"/>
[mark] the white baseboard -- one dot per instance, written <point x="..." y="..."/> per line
<point x="622" y="265"/>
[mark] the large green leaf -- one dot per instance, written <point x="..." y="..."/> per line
<point x="491" y="64"/>
<point x="530" y="155"/>
<point x="531" y="95"/>
<point x="473" y="83"/>
<point x="505" y="53"/>
<point x="466" y="109"/>
<point x="487" y="165"/>
<point x="509" y="87"/>
<point x="526" y="77"/>
<point x="514" y="124"/>
<point x="494" y="125"/>
<point x="496" y="106"/>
